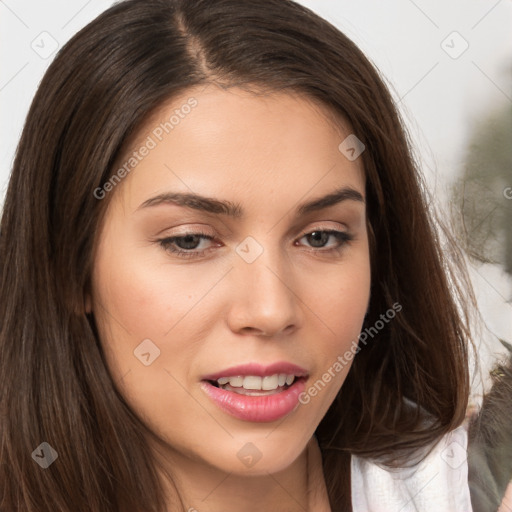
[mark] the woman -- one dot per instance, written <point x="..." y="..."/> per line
<point x="222" y="287"/>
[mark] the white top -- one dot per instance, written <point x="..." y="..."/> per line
<point x="439" y="483"/>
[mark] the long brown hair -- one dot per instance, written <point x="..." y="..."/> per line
<point x="102" y="85"/>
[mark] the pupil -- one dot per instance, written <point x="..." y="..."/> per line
<point x="188" y="242"/>
<point x="318" y="238"/>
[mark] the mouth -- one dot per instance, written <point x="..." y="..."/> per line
<point x="255" y="393"/>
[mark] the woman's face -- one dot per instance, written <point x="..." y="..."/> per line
<point x="237" y="240"/>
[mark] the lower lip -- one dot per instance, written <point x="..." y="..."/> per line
<point x="256" y="408"/>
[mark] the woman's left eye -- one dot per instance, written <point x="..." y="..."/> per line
<point x="189" y="245"/>
<point x="319" y="238"/>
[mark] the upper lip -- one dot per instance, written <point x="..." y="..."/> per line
<point x="258" y="370"/>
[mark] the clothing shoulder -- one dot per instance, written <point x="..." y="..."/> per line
<point x="439" y="482"/>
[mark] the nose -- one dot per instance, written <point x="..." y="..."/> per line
<point x="265" y="299"/>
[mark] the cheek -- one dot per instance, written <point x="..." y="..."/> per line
<point x="139" y="298"/>
<point x="149" y="298"/>
<point x="348" y="306"/>
<point x="143" y="307"/>
<point x="342" y="301"/>
<point x="340" y="304"/>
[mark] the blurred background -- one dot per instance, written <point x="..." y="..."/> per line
<point x="449" y="67"/>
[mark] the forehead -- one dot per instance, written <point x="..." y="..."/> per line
<point x="217" y="142"/>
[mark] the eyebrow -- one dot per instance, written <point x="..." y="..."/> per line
<point x="235" y="210"/>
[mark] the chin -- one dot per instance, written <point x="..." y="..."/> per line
<point x="260" y="454"/>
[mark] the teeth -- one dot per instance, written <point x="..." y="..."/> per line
<point x="236" y="382"/>
<point x="253" y="382"/>
<point x="270" y="382"/>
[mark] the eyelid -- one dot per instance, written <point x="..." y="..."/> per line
<point x="337" y="226"/>
<point x="189" y="229"/>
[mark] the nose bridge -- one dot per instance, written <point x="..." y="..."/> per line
<point x="265" y="298"/>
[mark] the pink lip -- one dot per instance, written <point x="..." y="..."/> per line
<point x="258" y="370"/>
<point x="256" y="408"/>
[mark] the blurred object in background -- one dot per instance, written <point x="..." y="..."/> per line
<point x="484" y="192"/>
<point x="490" y="444"/>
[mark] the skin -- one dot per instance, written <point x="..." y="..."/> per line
<point x="297" y="302"/>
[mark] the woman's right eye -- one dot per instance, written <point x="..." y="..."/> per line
<point x="186" y="245"/>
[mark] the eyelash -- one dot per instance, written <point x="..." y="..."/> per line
<point x="166" y="243"/>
